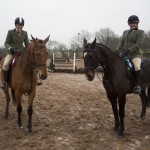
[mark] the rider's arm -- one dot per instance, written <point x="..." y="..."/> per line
<point x="139" y="42"/>
<point x="8" y="40"/>
<point x="26" y="40"/>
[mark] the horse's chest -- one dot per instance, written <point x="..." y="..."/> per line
<point x="107" y="85"/>
<point x="23" y="84"/>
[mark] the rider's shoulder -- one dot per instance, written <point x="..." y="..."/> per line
<point x="24" y="31"/>
<point x="11" y="30"/>
<point x="139" y="30"/>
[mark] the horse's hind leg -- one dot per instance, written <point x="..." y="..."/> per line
<point x="121" y="101"/>
<point x="148" y="96"/>
<point x="144" y="103"/>
<point x="7" y="103"/>
<point x="13" y="97"/>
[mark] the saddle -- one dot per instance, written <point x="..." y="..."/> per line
<point x="128" y="64"/>
<point x="15" y="56"/>
<point x="130" y="67"/>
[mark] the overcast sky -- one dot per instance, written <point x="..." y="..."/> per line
<point x="63" y="19"/>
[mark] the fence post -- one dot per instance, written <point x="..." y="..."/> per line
<point x="74" y="62"/>
<point x="53" y="58"/>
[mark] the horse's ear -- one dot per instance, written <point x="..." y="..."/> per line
<point x="33" y="39"/>
<point x="85" y="42"/>
<point x="45" y="41"/>
<point x="94" y="43"/>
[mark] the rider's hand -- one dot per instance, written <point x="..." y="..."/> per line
<point x="11" y="50"/>
<point x="125" y="53"/>
<point x="116" y="51"/>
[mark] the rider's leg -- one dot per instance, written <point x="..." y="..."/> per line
<point x="5" y="69"/>
<point x="137" y="68"/>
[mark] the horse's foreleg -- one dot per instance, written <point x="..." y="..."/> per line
<point x="144" y="103"/>
<point x="30" y="110"/>
<point x="121" y="101"/>
<point x="7" y="103"/>
<point x="19" y="108"/>
<point x="115" y="111"/>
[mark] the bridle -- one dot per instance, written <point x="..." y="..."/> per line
<point x="38" y="65"/>
<point x="98" y="65"/>
<point x="96" y="59"/>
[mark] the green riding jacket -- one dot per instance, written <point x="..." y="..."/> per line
<point x="15" y="41"/>
<point x="131" y="41"/>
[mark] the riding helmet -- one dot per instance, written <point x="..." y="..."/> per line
<point x="133" y="18"/>
<point x="19" y="20"/>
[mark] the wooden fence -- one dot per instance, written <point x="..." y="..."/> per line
<point x="62" y="64"/>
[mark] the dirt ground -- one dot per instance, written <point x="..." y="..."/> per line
<point x="71" y="113"/>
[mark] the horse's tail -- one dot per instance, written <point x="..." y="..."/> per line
<point x="13" y="97"/>
<point x="148" y="96"/>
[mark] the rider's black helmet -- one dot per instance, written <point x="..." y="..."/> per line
<point x="19" y="20"/>
<point x="133" y="18"/>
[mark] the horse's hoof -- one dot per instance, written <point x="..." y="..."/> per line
<point x="148" y="105"/>
<point x="142" y="116"/>
<point x="29" y="130"/>
<point x="120" y="135"/>
<point x="6" y="115"/>
<point x="15" y="104"/>
<point x="115" y="129"/>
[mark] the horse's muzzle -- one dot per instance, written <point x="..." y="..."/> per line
<point x="90" y="75"/>
<point x="43" y="77"/>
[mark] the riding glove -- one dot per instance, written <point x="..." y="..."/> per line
<point x="11" y="50"/>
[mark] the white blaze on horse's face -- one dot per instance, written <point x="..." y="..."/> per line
<point x="85" y="54"/>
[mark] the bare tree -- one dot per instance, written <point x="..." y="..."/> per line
<point x="76" y="42"/>
<point x="146" y="43"/>
<point x="107" y="37"/>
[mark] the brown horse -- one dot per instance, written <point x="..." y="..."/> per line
<point x="23" y="77"/>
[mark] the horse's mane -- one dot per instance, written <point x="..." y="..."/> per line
<point x="104" y="46"/>
<point x="108" y="48"/>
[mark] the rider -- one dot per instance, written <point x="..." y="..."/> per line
<point x="131" y="42"/>
<point x="14" y="42"/>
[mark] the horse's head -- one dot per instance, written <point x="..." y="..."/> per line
<point x="90" y="59"/>
<point x="40" y="55"/>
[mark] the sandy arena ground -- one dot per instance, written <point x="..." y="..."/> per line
<point x="71" y="113"/>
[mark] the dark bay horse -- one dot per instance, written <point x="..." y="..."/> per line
<point x="115" y="79"/>
<point x="24" y="78"/>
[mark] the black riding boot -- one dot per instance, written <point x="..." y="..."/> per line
<point x="4" y="85"/>
<point x="137" y="89"/>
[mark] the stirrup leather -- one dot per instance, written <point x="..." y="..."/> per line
<point x="4" y="85"/>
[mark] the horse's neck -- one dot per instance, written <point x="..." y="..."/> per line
<point x="111" y="61"/>
<point x="107" y="55"/>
